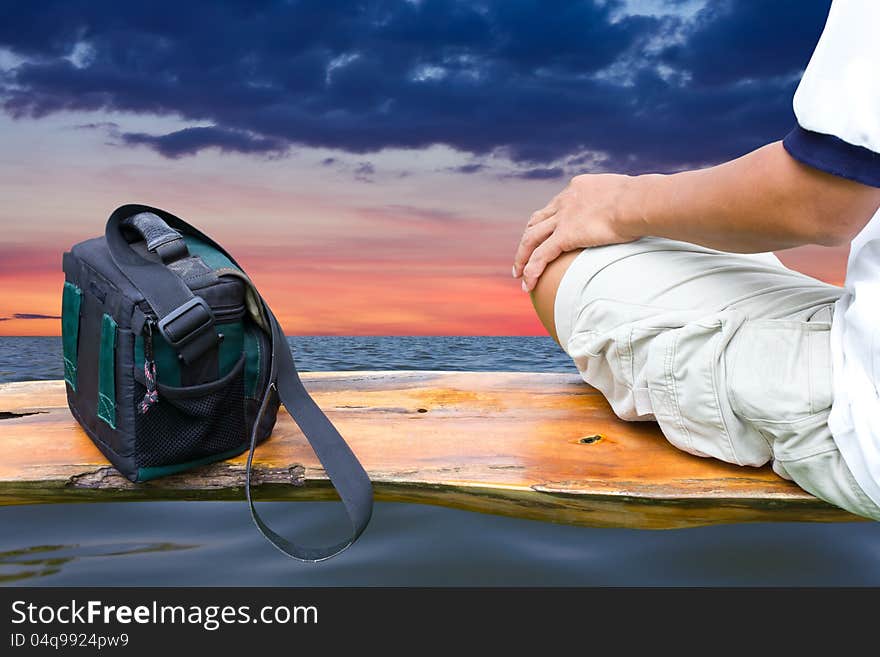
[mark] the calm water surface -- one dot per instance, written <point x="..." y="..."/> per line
<point x="214" y="543"/>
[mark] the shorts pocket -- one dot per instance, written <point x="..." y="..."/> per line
<point x="681" y="377"/>
<point x="609" y="346"/>
<point x="687" y="382"/>
<point x="780" y="371"/>
<point x="192" y="423"/>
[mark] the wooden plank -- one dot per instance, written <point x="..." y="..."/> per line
<point x="540" y="446"/>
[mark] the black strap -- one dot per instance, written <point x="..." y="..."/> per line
<point x="339" y="462"/>
<point x="341" y="465"/>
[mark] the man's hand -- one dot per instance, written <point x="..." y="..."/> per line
<point x="586" y="213"/>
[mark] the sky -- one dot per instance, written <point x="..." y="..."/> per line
<point x="370" y="164"/>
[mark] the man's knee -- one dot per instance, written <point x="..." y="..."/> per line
<point x="544" y="293"/>
<point x="595" y="258"/>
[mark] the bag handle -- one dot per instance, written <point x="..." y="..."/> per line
<point x="159" y="237"/>
<point x="346" y="473"/>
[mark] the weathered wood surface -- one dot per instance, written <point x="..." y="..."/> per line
<point x="541" y="446"/>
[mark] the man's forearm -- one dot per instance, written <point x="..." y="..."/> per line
<point x="762" y="201"/>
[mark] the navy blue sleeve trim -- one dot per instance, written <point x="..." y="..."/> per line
<point x="833" y="155"/>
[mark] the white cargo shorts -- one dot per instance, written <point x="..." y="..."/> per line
<point x="729" y="353"/>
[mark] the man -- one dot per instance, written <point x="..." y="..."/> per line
<point x="677" y="313"/>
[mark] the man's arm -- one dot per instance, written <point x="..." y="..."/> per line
<point x="763" y="201"/>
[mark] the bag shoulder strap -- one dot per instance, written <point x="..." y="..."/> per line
<point x="346" y="474"/>
<point x="344" y="470"/>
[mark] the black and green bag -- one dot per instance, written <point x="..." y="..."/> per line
<point x="173" y="360"/>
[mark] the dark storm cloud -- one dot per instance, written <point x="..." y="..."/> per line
<point x="734" y="40"/>
<point x="539" y="173"/>
<point x="191" y="140"/>
<point x="467" y="168"/>
<point x="364" y="172"/>
<point x="29" y="316"/>
<point x="110" y="126"/>
<point x="536" y="80"/>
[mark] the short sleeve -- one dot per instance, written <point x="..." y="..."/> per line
<point x="837" y="104"/>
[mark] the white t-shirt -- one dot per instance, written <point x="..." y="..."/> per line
<point x="837" y="105"/>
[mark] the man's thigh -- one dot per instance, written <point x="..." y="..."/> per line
<point x="677" y="276"/>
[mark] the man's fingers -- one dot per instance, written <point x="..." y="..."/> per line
<point x="542" y="256"/>
<point x="544" y="213"/>
<point x="531" y="239"/>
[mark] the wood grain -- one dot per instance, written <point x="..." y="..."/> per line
<point x="540" y="446"/>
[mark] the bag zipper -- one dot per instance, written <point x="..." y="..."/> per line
<point x="222" y="314"/>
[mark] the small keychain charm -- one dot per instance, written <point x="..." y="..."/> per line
<point x="152" y="395"/>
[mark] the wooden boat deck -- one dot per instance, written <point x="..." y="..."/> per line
<point x="540" y="446"/>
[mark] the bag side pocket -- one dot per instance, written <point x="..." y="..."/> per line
<point x="107" y="372"/>
<point x="191" y="425"/>
<point x="71" y="301"/>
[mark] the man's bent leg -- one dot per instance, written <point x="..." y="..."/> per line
<point x="729" y="353"/>
<point x="648" y="322"/>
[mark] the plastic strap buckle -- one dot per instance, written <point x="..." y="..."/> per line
<point x="186" y="323"/>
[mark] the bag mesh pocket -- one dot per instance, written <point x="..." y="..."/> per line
<point x="192" y="423"/>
